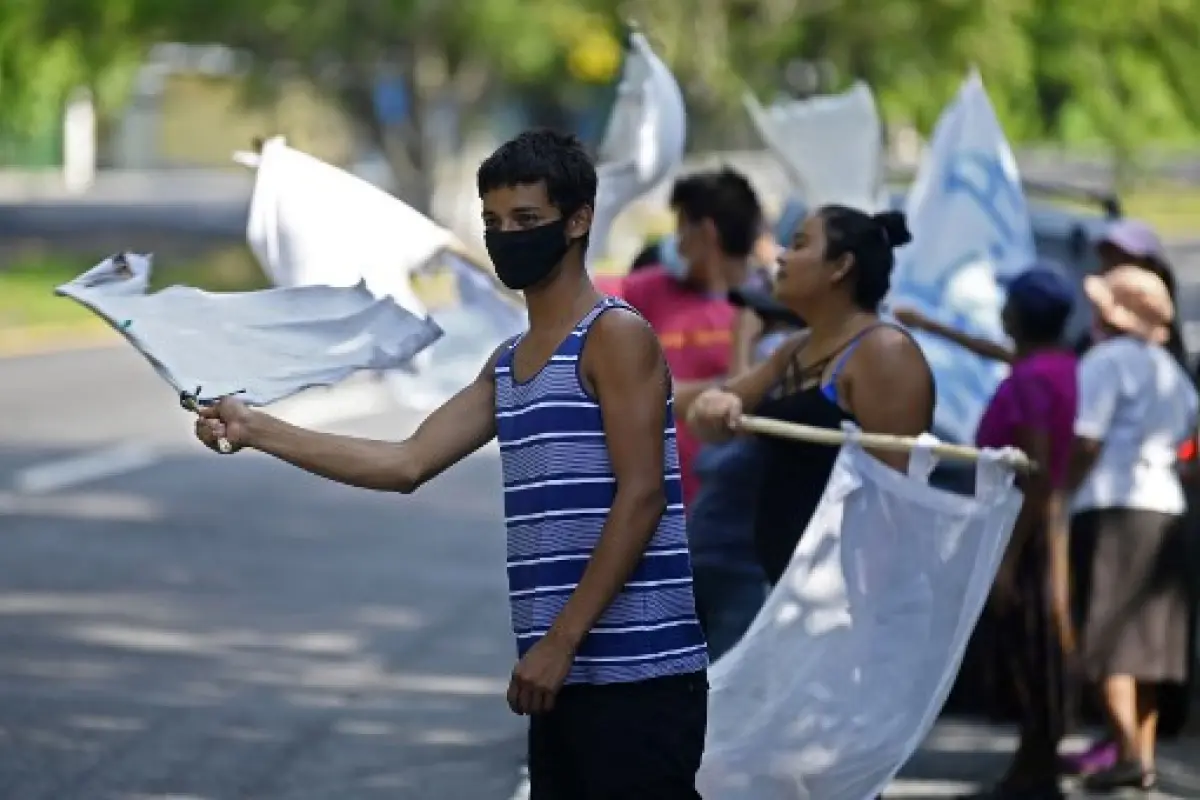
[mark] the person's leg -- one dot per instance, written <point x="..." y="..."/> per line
<point x="639" y="741"/>
<point x="550" y="770"/>
<point x="727" y="601"/>
<point x="1120" y="706"/>
<point x="1029" y="645"/>
<point x="1147" y="715"/>
<point x="1122" y="703"/>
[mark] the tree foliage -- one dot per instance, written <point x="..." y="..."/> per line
<point x="1073" y="71"/>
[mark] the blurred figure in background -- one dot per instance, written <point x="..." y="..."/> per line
<point x="847" y="366"/>
<point x="1129" y="242"/>
<point x="1028" y="619"/>
<point x="1136" y="405"/>
<point x="686" y="299"/>
<point x="730" y="585"/>
<point x="718" y="219"/>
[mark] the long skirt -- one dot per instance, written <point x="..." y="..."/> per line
<point x="1026" y="647"/>
<point x="1131" y="592"/>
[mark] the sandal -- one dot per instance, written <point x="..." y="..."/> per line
<point x="1122" y="775"/>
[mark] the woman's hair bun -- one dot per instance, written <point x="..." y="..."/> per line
<point x="895" y="225"/>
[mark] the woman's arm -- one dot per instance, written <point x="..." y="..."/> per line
<point x="985" y="348"/>
<point x="1099" y="394"/>
<point x="714" y="415"/>
<point x="888" y="387"/>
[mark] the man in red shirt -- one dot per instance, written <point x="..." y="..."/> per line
<point x="718" y="222"/>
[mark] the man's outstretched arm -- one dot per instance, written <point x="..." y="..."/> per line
<point x="456" y="429"/>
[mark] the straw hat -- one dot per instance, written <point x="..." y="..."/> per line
<point x="1132" y="300"/>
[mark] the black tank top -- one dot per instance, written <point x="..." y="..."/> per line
<point x="795" y="473"/>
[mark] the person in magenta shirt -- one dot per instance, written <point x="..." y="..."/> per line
<point x="1033" y="409"/>
<point x="718" y="223"/>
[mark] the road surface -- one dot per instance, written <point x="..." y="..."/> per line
<point x="175" y="624"/>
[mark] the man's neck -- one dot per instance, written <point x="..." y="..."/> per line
<point x="562" y="300"/>
<point x="712" y="278"/>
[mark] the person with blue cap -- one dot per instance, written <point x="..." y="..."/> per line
<point x="1033" y="409"/>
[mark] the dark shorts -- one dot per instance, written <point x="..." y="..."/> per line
<point x="621" y="741"/>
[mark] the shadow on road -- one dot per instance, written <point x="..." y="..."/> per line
<point x="249" y="636"/>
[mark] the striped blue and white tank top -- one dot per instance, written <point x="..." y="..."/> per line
<point x="558" y="489"/>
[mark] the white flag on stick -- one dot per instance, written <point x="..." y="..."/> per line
<point x="644" y="141"/>
<point x="312" y="224"/>
<point x="831" y="145"/>
<point x="971" y="231"/>
<point x="263" y="346"/>
<point x="844" y="671"/>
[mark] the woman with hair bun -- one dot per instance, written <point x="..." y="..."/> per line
<point x="847" y="366"/>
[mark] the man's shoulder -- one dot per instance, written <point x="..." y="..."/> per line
<point x="649" y="279"/>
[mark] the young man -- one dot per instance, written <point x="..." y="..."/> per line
<point x="612" y="661"/>
<point x="718" y="220"/>
<point x="719" y="233"/>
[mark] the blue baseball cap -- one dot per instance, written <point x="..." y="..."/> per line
<point x="1042" y="290"/>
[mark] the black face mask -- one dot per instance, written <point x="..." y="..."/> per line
<point x="525" y="258"/>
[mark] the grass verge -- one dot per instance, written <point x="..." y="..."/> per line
<point x="30" y="311"/>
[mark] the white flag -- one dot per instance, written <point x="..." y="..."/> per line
<point x="831" y="145"/>
<point x="312" y="224"/>
<point x="263" y="346"/>
<point x="842" y="674"/>
<point x="644" y="141"/>
<point x="970" y="225"/>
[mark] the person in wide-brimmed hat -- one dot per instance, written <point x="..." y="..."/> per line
<point x="1130" y="300"/>
<point x="1132" y="243"/>
<point x="1136" y="405"/>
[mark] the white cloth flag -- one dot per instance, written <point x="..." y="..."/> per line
<point x="312" y="224"/>
<point x="263" y="346"/>
<point x="644" y="140"/>
<point x="846" y="667"/>
<point x="831" y="145"/>
<point x="475" y="323"/>
<point x="971" y="230"/>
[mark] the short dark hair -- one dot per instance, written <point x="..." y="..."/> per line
<point x="871" y="239"/>
<point x="543" y="156"/>
<point x="726" y="198"/>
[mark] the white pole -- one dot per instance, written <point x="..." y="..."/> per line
<point x="79" y="142"/>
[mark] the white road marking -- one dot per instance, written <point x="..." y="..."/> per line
<point x="96" y="465"/>
<point x="899" y="788"/>
<point x="315" y="409"/>
<point x="108" y="507"/>
<point x="911" y="787"/>
<point x="522" y="792"/>
<point x="340" y="404"/>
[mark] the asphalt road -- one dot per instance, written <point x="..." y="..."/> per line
<point x="180" y="625"/>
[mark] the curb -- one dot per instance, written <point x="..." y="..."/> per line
<point x="50" y="340"/>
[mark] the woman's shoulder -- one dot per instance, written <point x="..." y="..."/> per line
<point x="889" y="345"/>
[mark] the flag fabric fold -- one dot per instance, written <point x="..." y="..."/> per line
<point x="830" y="145"/>
<point x="644" y="140"/>
<point x="312" y="224"/>
<point x="843" y="672"/>
<point x="263" y="346"/>
<point x="971" y="232"/>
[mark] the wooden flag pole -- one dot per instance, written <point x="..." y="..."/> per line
<point x="875" y="441"/>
